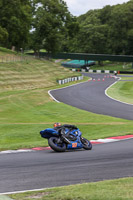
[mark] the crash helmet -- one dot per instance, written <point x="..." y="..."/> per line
<point x="57" y="124"/>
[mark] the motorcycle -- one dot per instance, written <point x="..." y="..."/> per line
<point x="65" y="137"/>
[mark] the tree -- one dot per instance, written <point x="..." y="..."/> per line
<point x="105" y="14"/>
<point x="15" y="18"/>
<point x="3" y="36"/>
<point x="92" y="37"/>
<point x="53" y="24"/>
<point x="130" y="42"/>
<point x="107" y="30"/>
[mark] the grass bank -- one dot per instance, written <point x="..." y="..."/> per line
<point x="119" y="189"/>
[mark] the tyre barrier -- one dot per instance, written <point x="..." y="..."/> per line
<point x="67" y="80"/>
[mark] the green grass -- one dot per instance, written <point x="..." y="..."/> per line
<point x="6" y="51"/>
<point x="124" y="78"/>
<point x="122" y="91"/>
<point x="32" y="74"/>
<point x="20" y="129"/>
<point x="120" y="189"/>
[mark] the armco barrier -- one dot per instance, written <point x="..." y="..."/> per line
<point x="86" y="56"/>
<point x="67" y="80"/>
<point x="103" y="71"/>
<point x="125" y="72"/>
<point x="94" y="71"/>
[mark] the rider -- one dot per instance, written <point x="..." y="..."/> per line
<point x="61" y="128"/>
<point x="58" y="126"/>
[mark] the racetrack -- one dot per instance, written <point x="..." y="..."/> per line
<point x="91" y="96"/>
<point x="43" y="169"/>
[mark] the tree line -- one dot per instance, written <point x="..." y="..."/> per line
<point x="48" y="24"/>
<point x="106" y="31"/>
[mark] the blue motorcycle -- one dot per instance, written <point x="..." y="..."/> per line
<point x="65" y="137"/>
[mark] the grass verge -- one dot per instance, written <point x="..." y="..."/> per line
<point x="120" y="189"/>
<point x="21" y="129"/>
<point x="122" y="91"/>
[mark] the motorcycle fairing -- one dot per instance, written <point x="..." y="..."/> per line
<point x="49" y="132"/>
<point x="74" y="145"/>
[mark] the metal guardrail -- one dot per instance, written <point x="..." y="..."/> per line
<point x="85" y="56"/>
<point x="95" y="57"/>
<point x="102" y="71"/>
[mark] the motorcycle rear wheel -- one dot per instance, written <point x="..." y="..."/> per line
<point x="86" y="143"/>
<point x="55" y="145"/>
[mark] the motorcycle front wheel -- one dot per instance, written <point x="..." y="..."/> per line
<point x="86" y="143"/>
<point x="56" y="144"/>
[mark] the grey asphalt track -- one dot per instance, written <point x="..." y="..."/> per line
<point x="43" y="169"/>
<point x="91" y="96"/>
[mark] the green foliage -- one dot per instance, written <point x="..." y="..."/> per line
<point x="107" y="30"/>
<point x="130" y="41"/>
<point x="93" y="39"/>
<point x="3" y="35"/>
<point x="15" y="19"/>
<point x="53" y="24"/>
<point x="103" y="31"/>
